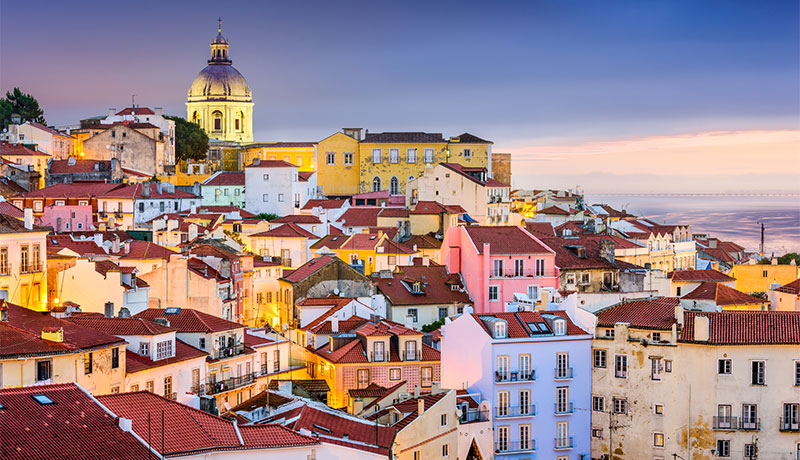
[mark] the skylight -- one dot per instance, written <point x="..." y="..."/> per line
<point x="320" y="427"/>
<point x="172" y="311"/>
<point x="43" y="399"/>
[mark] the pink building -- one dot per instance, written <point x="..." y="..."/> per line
<point x="67" y="218"/>
<point x="498" y="262"/>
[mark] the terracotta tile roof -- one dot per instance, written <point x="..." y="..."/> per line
<point x="80" y="190"/>
<point x="505" y="240"/>
<point x="225" y="210"/>
<point x="404" y="138"/>
<point x="470" y="173"/>
<point x="518" y="323"/>
<point x="146" y="250"/>
<point x="573" y="227"/>
<point x="331" y="241"/>
<point x="8" y="187"/>
<point x="722" y="295"/>
<point x="17" y="342"/>
<point x="76" y="337"/>
<point x="223" y="178"/>
<point x="297" y="219"/>
<point x="273" y="436"/>
<point x="310" y="385"/>
<point x="8" y="149"/>
<point x="373" y="390"/>
<point x="746" y="327"/>
<point x="790" y="288"/>
<point x="264" y="399"/>
<point x="353" y="352"/>
<point x="136" y="191"/>
<point x="718" y="254"/>
<point x="120" y="326"/>
<point x="75" y="426"/>
<point x="409" y="409"/>
<point x="271" y="164"/>
<point x="393" y="212"/>
<point x="614" y="213"/>
<point x="386" y="392"/>
<point x="360" y="217"/>
<point x="468" y="138"/>
<point x="10" y="224"/>
<point x="289" y="230"/>
<point x="307" y="269"/>
<point x="135" y="362"/>
<point x="80" y="166"/>
<point x="428" y="241"/>
<point x="699" y="275"/>
<point x="540" y="229"/>
<point x="49" y="130"/>
<point x="656" y="313"/>
<point x="435" y="284"/>
<point x="385" y="328"/>
<point x="55" y="243"/>
<point x="103" y="126"/>
<point x="325" y="204"/>
<point x="304" y="176"/>
<point x="136" y="110"/>
<point x="567" y="254"/>
<point x="326" y="326"/>
<point x="188" y="320"/>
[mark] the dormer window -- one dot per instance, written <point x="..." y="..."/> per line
<point x="500" y="330"/>
<point x="560" y="327"/>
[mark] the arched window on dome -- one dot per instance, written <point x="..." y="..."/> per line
<point x="394" y="186"/>
<point x="196" y="117"/>
<point x="376" y="184"/>
<point x="217" y="117"/>
<point x="238" y="123"/>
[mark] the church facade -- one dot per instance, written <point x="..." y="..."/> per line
<point x="219" y="99"/>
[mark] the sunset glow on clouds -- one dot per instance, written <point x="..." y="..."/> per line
<point x="716" y="160"/>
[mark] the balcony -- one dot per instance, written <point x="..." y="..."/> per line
<point x="563" y="373"/>
<point x="790" y="425"/>
<point x="515" y="411"/>
<point x="212" y="387"/>
<point x="749" y="424"/>
<point x="172" y="396"/>
<point x="563" y="409"/>
<point x="228" y="352"/>
<point x="510" y="377"/>
<point x="378" y="357"/>
<point x="522" y="274"/>
<point x="474" y="416"/>
<point x="567" y="442"/>
<point x="515" y="446"/>
<point x="411" y="355"/>
<point x="725" y="423"/>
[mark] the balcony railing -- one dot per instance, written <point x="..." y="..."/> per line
<point x="523" y="274"/>
<point x="515" y="411"/>
<point x="564" y="408"/>
<point x="725" y="423"/>
<point x="378" y="357"/>
<point x="228" y="352"/>
<point x="212" y="387"/>
<point x="475" y="416"/>
<point x="563" y="373"/>
<point x="5" y="269"/>
<point x="567" y="442"/>
<point x="527" y="376"/>
<point x="749" y="424"/>
<point x="515" y="446"/>
<point x="790" y="424"/>
<point x="411" y="355"/>
<point x="172" y="396"/>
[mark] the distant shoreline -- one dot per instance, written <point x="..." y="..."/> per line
<point x="691" y="194"/>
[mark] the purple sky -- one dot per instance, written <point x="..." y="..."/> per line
<point x="528" y="75"/>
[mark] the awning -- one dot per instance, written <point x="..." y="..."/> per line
<point x="466" y="218"/>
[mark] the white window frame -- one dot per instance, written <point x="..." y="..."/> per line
<point x="377" y="156"/>
<point x="411" y="155"/>
<point x="494" y="293"/>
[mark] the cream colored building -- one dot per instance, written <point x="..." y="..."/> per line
<point x="219" y="98"/>
<point x="657" y="367"/>
<point x="23" y="260"/>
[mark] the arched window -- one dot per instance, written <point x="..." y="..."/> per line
<point x="410" y="178"/>
<point x="394" y="187"/>
<point x="376" y="184"/>
<point x="239" y="122"/>
<point x="196" y="117"/>
<point x="217" y="117"/>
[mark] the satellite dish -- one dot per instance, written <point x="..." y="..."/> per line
<point x="459" y="413"/>
<point x="285" y="327"/>
<point x="336" y="291"/>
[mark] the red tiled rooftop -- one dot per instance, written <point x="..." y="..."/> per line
<point x="9" y="149"/>
<point x="146" y="250"/>
<point x="699" y="276"/>
<point x="790" y="288"/>
<point x="518" y="323"/>
<point x="297" y="219"/>
<point x="136" y="111"/>
<point x="120" y="326"/>
<point x="135" y="362"/>
<point x="746" y="327"/>
<point x="76" y="337"/>
<point x="360" y="217"/>
<point x="307" y="269"/>
<point x="78" y="190"/>
<point x="435" y="284"/>
<point x="553" y="210"/>
<point x="505" y="240"/>
<point x="225" y="178"/>
<point x="188" y="320"/>
<point x="657" y="313"/>
<point x="466" y="173"/>
<point x="271" y="164"/>
<point x="325" y="204"/>
<point x="289" y="230"/>
<point x="15" y="341"/>
<point x="79" y="166"/>
<point x="722" y="295"/>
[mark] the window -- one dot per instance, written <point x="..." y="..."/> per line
<point x="656" y="336"/>
<point x="598" y="403"/>
<point x="394" y="186"/>
<point x="376" y="156"/>
<point x="412" y="312"/>
<point x="667" y="365"/>
<point x="266" y="177"/>
<point x="791" y="417"/>
<point x="597" y="432"/>
<point x="445" y="448"/>
<point x="168" y="387"/>
<point x="524" y="437"/>
<point x="758" y="374"/>
<point x="749" y="451"/>
<point x="276" y="360"/>
<point x="502" y="403"/>
<point x="426" y="377"/>
<point x="149" y="386"/>
<point x="560" y="327"/>
<point x="562" y="400"/>
<point x="500" y="330"/>
<point x="376" y="184"/>
<point x="394" y="155"/>
<point x="658" y="439"/>
<point x="36" y="258"/>
<point x="24" y="261"/>
<point x="493" y="293"/>
<point x="331" y="158"/>
<point x="658" y="409"/>
<point x="656" y="369"/>
<point x="5" y="268"/>
<point x="87" y="363"/>
<point x="585" y="279"/>
<point x="519" y="267"/>
<point x="562" y="435"/>
<point x="348" y="158"/>
<point x="395" y="373"/>
<point x="609" y="333"/>
<point x="134" y="387"/>
<point x="411" y="155"/>
<point x="562" y="366"/>
<point x="379" y="348"/>
<point x="444" y="419"/>
<point x="750" y="417"/>
<point x="502" y="438"/>
<point x="201" y="343"/>
<point x="570" y="278"/>
<point x="195" y="380"/>
<point x="44" y="369"/>
<point x="265" y="197"/>
<point x="163" y="349"/>
<point x="724" y="367"/>
<point x="362" y="377"/>
<point x="144" y="348"/>
<point x="114" y="358"/>
<point x="524" y="402"/>
<point x="217" y="117"/>
<point x="540" y="267"/>
<point x="442" y="312"/>
<point x="525" y="367"/>
<point x="600" y="358"/>
<point x="620" y="406"/>
<point x="621" y="366"/>
<point x="467" y="153"/>
<point x="497" y="267"/>
<point x="417" y="455"/>
<point x="797" y="373"/>
<point x="723" y="448"/>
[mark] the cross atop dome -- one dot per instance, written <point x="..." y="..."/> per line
<point x="219" y="29"/>
<point x="219" y="47"/>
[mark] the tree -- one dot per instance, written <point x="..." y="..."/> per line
<point x="785" y="259"/>
<point x="191" y="142"/>
<point x="18" y="103"/>
<point x="267" y="216"/>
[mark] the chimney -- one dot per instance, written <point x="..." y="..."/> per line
<point x="115" y="245"/>
<point x="712" y="243"/>
<point x="426" y="261"/>
<point x="679" y="314"/>
<point x="126" y="424"/>
<point x="192" y="232"/>
<point x="29" y="218"/>
<point x="701" y="328"/>
<point x="334" y="324"/>
<point x="420" y="407"/>
<point x="98" y="239"/>
<point x="124" y="312"/>
<point x="416" y="391"/>
<point x="112" y="112"/>
<point x="606" y="248"/>
<point x="53" y="334"/>
<point x="193" y="209"/>
<point x="146" y="189"/>
<point x="157" y="110"/>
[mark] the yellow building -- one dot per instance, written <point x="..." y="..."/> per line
<point x="219" y="99"/>
<point x="376" y="251"/>
<point x="23" y="262"/>
<point x="759" y="277"/>
<point x="338" y="160"/>
<point x="300" y="154"/>
<point x="387" y="161"/>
